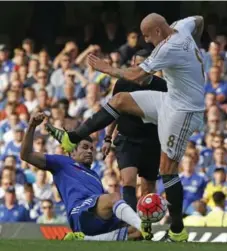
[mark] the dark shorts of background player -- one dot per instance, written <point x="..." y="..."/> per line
<point x="141" y="153"/>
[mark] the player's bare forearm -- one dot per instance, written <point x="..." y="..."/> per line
<point x="199" y="26"/>
<point x="135" y="74"/>
<point x="27" y="154"/>
<point x="110" y="129"/>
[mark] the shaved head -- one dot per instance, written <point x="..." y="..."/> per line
<point x="155" y="28"/>
<point x="151" y="20"/>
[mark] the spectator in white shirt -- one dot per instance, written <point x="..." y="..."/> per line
<point x="42" y="83"/>
<point x="30" y="99"/>
<point x="58" y="77"/>
<point x="10" y="181"/>
<point x="42" y="190"/>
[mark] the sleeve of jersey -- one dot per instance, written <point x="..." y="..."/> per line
<point x="186" y="23"/>
<point x="54" y="162"/>
<point x="158" y="60"/>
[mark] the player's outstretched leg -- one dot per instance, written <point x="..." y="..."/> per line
<point x="109" y="204"/>
<point x="120" y="234"/>
<point x="174" y="195"/>
<point x="121" y="102"/>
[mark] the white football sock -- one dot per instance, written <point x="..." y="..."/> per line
<point x="116" y="235"/>
<point x="125" y="213"/>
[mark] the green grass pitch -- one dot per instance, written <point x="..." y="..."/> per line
<point x="29" y="245"/>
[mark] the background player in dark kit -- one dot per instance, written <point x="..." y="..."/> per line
<point x="137" y="144"/>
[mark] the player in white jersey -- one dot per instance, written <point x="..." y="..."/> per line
<point x="178" y="113"/>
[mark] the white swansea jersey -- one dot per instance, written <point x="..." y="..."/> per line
<point x="181" y="63"/>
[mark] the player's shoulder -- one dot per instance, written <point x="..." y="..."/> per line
<point x="162" y="47"/>
<point x="187" y="23"/>
<point x="58" y="158"/>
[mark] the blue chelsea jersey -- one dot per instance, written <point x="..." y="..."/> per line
<point x="74" y="181"/>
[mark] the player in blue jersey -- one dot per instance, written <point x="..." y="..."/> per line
<point x="89" y="209"/>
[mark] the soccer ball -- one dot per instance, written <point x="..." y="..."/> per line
<point x="152" y="207"/>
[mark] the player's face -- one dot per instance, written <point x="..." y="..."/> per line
<point x="84" y="152"/>
<point x="152" y="35"/>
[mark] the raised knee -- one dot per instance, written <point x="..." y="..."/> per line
<point x="168" y="166"/>
<point x="115" y="197"/>
<point x="118" y="100"/>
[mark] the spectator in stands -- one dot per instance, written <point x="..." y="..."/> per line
<point x="217" y="217"/>
<point x="28" y="46"/>
<point x="44" y="62"/>
<point x="210" y="100"/>
<point x="111" y="38"/>
<point x="129" y="49"/>
<point x="112" y="184"/>
<point x="72" y="77"/>
<point x="214" y="124"/>
<point x="58" y="76"/>
<point x="14" y="146"/>
<point x="67" y="91"/>
<point x="59" y="206"/>
<point x="39" y="144"/>
<point x="19" y="58"/>
<point x="30" y="99"/>
<point x="9" y="109"/>
<point x="71" y="49"/>
<point x="41" y="188"/>
<point x="213" y="54"/>
<point x="30" y="203"/>
<point x="218" y="184"/>
<point x="216" y="85"/>
<point x="23" y="74"/>
<point x="6" y="63"/>
<point x="10" y="171"/>
<point x="81" y="59"/>
<point x="219" y="161"/>
<point x="222" y="40"/>
<point x="33" y="67"/>
<point x="4" y="83"/>
<point x="97" y="77"/>
<point x="11" y="181"/>
<point x="15" y="98"/>
<point x="43" y="100"/>
<point x="48" y="215"/>
<point x="11" y="211"/>
<point x="70" y="122"/>
<point x="197" y="218"/>
<point x="193" y="183"/>
<point x="42" y="83"/>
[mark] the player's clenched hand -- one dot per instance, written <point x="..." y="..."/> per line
<point x="37" y="119"/>
<point x="106" y="148"/>
<point x="97" y="63"/>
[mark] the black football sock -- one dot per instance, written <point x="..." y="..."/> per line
<point x="129" y="195"/>
<point x="174" y="195"/>
<point x="98" y="121"/>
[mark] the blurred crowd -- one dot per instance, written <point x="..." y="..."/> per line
<point x="70" y="91"/>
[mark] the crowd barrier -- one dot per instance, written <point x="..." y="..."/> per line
<point x="57" y="232"/>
